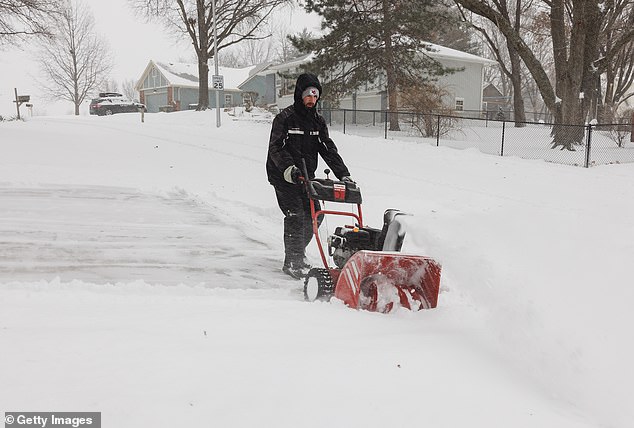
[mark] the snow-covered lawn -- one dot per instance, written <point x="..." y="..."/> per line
<point x="533" y="141"/>
<point x="139" y="277"/>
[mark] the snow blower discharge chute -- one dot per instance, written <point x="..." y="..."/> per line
<point x="370" y="272"/>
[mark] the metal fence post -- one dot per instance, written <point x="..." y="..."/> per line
<point x="438" y="131"/>
<point x="503" y="132"/>
<point x="588" y="141"/>
<point x="386" y="124"/>
<point x="344" y="121"/>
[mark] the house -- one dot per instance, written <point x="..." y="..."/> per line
<point x="464" y="86"/>
<point x="493" y="102"/>
<point x="173" y="86"/>
<point x="259" y="87"/>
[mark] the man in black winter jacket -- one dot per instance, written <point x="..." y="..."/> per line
<point x="299" y="132"/>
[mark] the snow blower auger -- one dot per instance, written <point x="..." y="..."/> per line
<point x="370" y="273"/>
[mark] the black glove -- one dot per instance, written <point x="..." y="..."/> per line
<point x="297" y="175"/>
<point x="293" y="175"/>
<point x="348" y="179"/>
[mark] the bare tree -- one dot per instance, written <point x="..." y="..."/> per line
<point x="431" y="115"/>
<point x="237" y="20"/>
<point x="19" y="18"/>
<point x="248" y="52"/>
<point x="127" y="88"/>
<point x="617" y="73"/>
<point x="513" y="13"/>
<point x="76" y="61"/>
<point x="575" y="29"/>
<point x="109" y="85"/>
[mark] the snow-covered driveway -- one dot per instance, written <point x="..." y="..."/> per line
<point x="107" y="234"/>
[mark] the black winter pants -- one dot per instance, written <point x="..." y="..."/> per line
<point x="298" y="227"/>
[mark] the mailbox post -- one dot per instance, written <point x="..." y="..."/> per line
<point x="19" y="100"/>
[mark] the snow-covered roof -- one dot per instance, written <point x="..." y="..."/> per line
<point x="295" y="62"/>
<point x="186" y="74"/>
<point x="257" y="70"/>
<point x="433" y="50"/>
<point x="438" y="51"/>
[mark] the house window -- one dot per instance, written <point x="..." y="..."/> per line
<point x="228" y="100"/>
<point x="154" y="80"/>
<point x="459" y="104"/>
<point x="287" y="86"/>
<point x="278" y="83"/>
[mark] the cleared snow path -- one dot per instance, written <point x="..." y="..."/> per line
<point x="104" y="234"/>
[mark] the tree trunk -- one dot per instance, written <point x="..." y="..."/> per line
<point x="76" y="97"/>
<point x="519" y="114"/>
<point x="203" y="83"/>
<point x="392" y="100"/>
<point x="569" y="57"/>
<point x="203" y="57"/>
<point x="75" y="75"/>
<point x="392" y="86"/>
<point x="590" y="83"/>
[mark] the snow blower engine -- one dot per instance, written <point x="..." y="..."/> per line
<point x="369" y="270"/>
<point x="348" y="240"/>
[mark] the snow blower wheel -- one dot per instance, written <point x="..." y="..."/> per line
<point x="318" y="285"/>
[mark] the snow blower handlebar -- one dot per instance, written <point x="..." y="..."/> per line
<point x="330" y="191"/>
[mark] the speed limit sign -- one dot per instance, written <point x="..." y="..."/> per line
<point x="218" y="82"/>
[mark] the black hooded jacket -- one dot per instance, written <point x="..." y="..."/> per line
<point x="301" y="133"/>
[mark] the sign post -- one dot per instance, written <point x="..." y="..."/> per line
<point x="218" y="83"/>
<point x="216" y="74"/>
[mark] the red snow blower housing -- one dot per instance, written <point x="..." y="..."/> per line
<point x="370" y="272"/>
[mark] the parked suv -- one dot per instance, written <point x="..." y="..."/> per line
<point x="113" y="102"/>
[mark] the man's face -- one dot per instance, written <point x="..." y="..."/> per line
<point x="310" y="100"/>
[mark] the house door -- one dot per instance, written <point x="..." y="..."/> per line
<point x="154" y="100"/>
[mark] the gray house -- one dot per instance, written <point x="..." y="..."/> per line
<point x="259" y="87"/>
<point x="171" y="86"/>
<point x="464" y="87"/>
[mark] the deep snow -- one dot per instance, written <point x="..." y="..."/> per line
<point x="139" y="277"/>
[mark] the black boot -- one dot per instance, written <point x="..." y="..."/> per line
<point x="295" y="266"/>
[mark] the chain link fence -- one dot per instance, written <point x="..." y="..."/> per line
<point x="596" y="144"/>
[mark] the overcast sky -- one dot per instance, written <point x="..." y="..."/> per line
<point x="132" y="43"/>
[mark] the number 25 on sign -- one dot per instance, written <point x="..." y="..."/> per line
<point x="218" y="82"/>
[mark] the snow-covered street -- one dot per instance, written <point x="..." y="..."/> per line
<point x="107" y="234"/>
<point x="140" y="277"/>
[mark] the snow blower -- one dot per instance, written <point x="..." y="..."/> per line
<point x="370" y="272"/>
